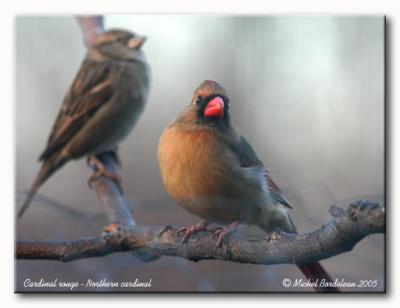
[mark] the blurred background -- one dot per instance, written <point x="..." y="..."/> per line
<point x="306" y="91"/>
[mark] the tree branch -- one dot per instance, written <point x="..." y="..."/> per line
<point x="111" y="195"/>
<point x="91" y="27"/>
<point x="340" y="235"/>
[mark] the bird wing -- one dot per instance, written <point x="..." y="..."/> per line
<point x="248" y="159"/>
<point x="90" y="90"/>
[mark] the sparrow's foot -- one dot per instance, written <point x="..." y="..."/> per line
<point x="221" y="233"/>
<point x="114" y="153"/>
<point x="89" y="161"/>
<point x="101" y="171"/>
<point x="92" y="160"/>
<point x="188" y="231"/>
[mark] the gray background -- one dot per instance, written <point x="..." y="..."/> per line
<point x="307" y="92"/>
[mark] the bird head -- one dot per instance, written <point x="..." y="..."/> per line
<point x="119" y="43"/>
<point x="211" y="105"/>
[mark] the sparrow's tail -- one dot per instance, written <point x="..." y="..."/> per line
<point x="48" y="168"/>
<point x="318" y="275"/>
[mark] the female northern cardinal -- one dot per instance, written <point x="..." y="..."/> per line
<point x="101" y="107"/>
<point x="213" y="172"/>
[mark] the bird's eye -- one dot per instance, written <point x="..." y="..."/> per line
<point x="198" y="100"/>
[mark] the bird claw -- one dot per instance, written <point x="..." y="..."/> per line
<point x="89" y="161"/>
<point x="188" y="231"/>
<point x="114" y="152"/>
<point x="221" y="233"/>
<point x="93" y="161"/>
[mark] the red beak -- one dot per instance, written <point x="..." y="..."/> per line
<point x="215" y="108"/>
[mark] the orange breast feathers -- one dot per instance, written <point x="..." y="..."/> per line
<point x="190" y="163"/>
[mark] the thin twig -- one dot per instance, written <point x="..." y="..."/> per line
<point x="111" y="195"/>
<point x="91" y="27"/>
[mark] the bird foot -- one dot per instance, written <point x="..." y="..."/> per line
<point x="188" y="231"/>
<point x="93" y="161"/>
<point x="221" y="233"/>
<point x="114" y="152"/>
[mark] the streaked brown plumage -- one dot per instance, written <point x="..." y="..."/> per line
<point x="213" y="172"/>
<point x="102" y="105"/>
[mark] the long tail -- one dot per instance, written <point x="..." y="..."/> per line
<point x="313" y="271"/>
<point x="317" y="274"/>
<point x="48" y="168"/>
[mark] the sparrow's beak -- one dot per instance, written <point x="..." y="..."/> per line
<point x="215" y="108"/>
<point x="136" y="42"/>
